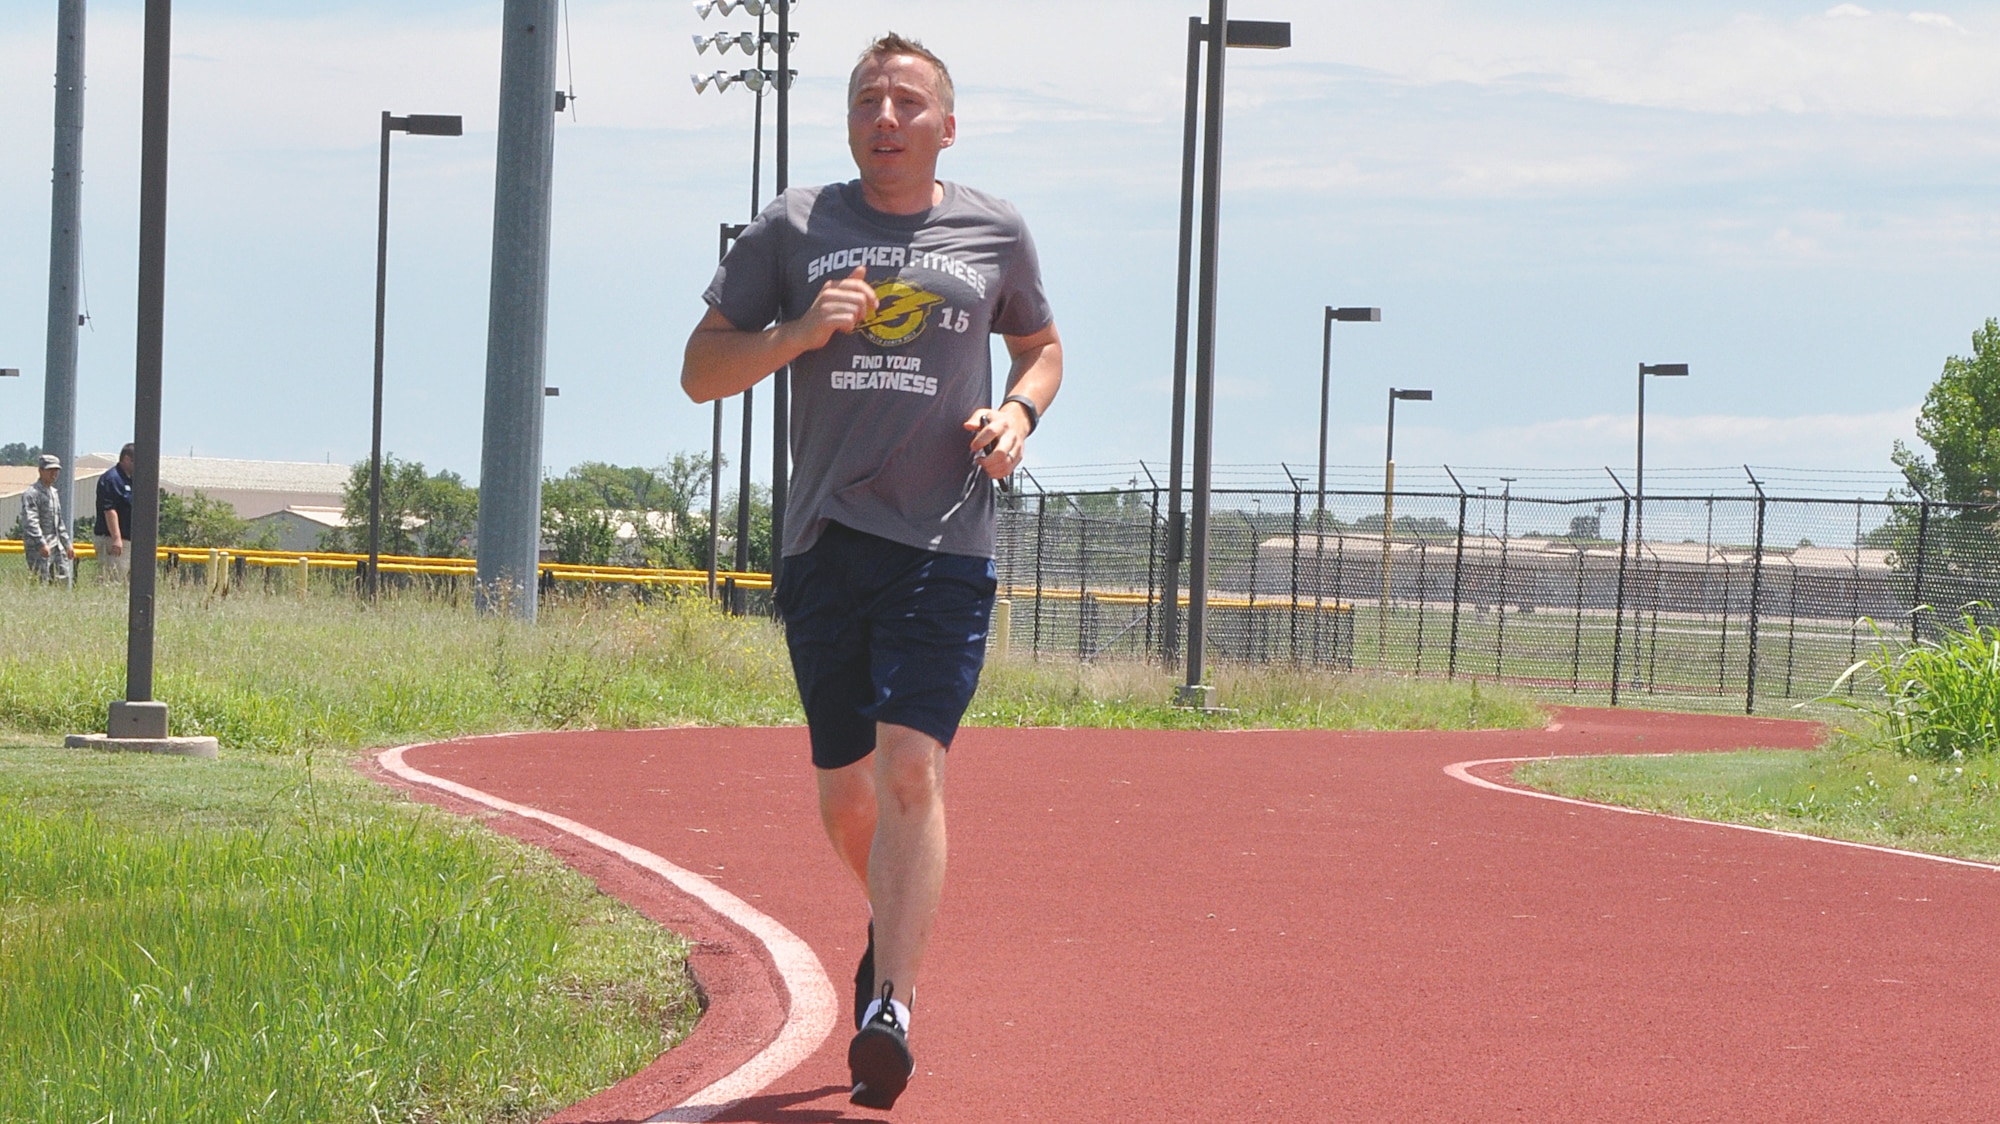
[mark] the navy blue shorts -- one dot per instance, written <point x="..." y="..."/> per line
<point x="882" y="632"/>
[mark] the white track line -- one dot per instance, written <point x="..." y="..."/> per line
<point x="1463" y="771"/>
<point x="812" y="1014"/>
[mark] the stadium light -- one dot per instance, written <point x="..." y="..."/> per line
<point x="420" y="125"/>
<point x="1389" y="517"/>
<point x="1216" y="33"/>
<point x="754" y="7"/>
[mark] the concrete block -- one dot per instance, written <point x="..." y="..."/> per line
<point x="138" y="720"/>
<point x="178" y="747"/>
<point x="1198" y="697"/>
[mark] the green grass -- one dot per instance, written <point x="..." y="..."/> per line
<point x="276" y="672"/>
<point x="1851" y="789"/>
<point x="1119" y="694"/>
<point x="258" y="939"/>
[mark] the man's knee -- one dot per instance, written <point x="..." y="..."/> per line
<point x="909" y="766"/>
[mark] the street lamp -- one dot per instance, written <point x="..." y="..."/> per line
<point x="1345" y="315"/>
<point x="1389" y="517"/>
<point x="1660" y="370"/>
<point x="417" y="125"/>
<point x="1218" y="33"/>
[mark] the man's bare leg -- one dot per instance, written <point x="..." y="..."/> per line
<point x="847" y="810"/>
<point x="884" y="815"/>
<point x="907" y="861"/>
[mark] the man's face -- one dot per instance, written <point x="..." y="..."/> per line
<point x="896" y="124"/>
<point x="125" y="464"/>
<point x="49" y="476"/>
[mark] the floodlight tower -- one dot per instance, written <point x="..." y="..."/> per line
<point x="757" y="80"/>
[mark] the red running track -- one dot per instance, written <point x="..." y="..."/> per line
<point x="1296" y="926"/>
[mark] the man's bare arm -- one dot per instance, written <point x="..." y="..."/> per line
<point x="1036" y="374"/>
<point x="722" y="359"/>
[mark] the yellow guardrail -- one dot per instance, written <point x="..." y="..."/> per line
<point x="1126" y="597"/>
<point x="631" y="575"/>
<point x="410" y="564"/>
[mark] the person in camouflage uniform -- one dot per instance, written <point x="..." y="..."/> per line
<point x="44" y="532"/>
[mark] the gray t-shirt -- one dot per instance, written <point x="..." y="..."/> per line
<point x="878" y="442"/>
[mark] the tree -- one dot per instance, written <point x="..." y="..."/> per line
<point x="196" y="520"/>
<point x="17" y="453"/>
<point x="1960" y="421"/>
<point x="584" y="510"/>
<point x="577" y="523"/>
<point x="428" y="515"/>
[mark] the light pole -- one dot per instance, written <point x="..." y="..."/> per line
<point x="1218" y="34"/>
<point x="417" y="125"/>
<point x="1346" y="315"/>
<point x="1660" y="370"/>
<point x="1500" y="603"/>
<point x="1389" y="517"/>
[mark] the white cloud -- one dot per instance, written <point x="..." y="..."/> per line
<point x="1822" y="441"/>
<point x="1846" y="60"/>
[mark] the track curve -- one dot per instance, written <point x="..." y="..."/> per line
<point x="1285" y="925"/>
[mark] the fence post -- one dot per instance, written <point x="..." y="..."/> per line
<point x="1923" y="550"/>
<point x="1459" y="573"/>
<point x="1082" y="579"/>
<point x="1041" y="538"/>
<point x="1298" y="510"/>
<point x="1152" y="559"/>
<point x="1576" y="635"/>
<point x="1756" y="591"/>
<point x="1618" y="613"/>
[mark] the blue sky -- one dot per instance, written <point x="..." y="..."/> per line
<point x="1796" y="199"/>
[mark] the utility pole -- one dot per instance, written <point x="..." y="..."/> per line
<point x="510" y="461"/>
<point x="65" y="240"/>
<point x="781" y="383"/>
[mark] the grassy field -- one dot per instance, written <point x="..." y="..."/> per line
<point x="1852" y="789"/>
<point x="258" y="938"/>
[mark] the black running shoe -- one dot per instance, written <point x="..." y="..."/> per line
<point x="864" y="978"/>
<point x="879" y="1057"/>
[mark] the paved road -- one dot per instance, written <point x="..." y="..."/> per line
<point x="1294" y="926"/>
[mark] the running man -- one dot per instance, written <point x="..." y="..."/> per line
<point x="881" y="293"/>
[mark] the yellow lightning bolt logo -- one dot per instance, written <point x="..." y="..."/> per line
<point x="901" y="313"/>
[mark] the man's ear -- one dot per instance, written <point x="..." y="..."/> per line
<point x="950" y="130"/>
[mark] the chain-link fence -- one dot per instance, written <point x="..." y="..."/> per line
<point x="1747" y="597"/>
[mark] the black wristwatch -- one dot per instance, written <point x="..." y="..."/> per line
<point x="1028" y="404"/>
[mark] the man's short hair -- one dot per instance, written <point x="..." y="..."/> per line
<point x="893" y="44"/>
<point x="130" y="450"/>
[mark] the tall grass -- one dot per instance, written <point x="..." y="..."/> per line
<point x="299" y="949"/>
<point x="280" y="672"/>
<point x="1940" y="699"/>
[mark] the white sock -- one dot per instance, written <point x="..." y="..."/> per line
<point x="902" y="1013"/>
